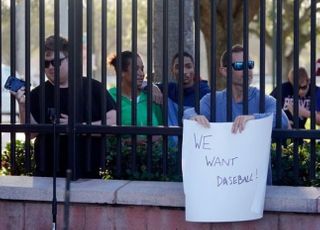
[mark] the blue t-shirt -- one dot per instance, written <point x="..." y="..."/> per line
<point x="189" y="94"/>
<point x="237" y="107"/>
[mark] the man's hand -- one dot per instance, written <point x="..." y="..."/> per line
<point x="20" y="95"/>
<point x="202" y="120"/>
<point x="111" y="117"/>
<point x="303" y="110"/>
<point x="63" y="119"/>
<point x="156" y="94"/>
<point x="240" y="122"/>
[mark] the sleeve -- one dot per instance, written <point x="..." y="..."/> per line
<point x="318" y="100"/>
<point x="158" y="113"/>
<point x="274" y="92"/>
<point x="188" y="113"/>
<point x="205" y="89"/>
<point x="204" y="108"/>
<point x="111" y="104"/>
<point x="172" y="113"/>
<point x="271" y="108"/>
<point x="34" y="105"/>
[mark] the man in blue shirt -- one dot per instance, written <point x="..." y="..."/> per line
<point x="239" y="120"/>
<point x="237" y="97"/>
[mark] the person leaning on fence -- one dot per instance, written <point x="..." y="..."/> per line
<point x="239" y="120"/>
<point x="126" y="91"/>
<point x="44" y="159"/>
<point x="304" y="97"/>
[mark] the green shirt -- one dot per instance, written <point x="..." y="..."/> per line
<point x="141" y="109"/>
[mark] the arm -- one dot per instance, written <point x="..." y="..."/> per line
<point x="111" y="118"/>
<point x="204" y="117"/>
<point x="305" y="113"/>
<point x="271" y="108"/>
<point x="156" y="92"/>
<point x="21" y="99"/>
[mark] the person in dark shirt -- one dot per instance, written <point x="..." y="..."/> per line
<point x="304" y="96"/>
<point x="189" y="89"/>
<point x="188" y="81"/>
<point x="84" y="155"/>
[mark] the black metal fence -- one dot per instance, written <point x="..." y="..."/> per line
<point x="158" y="158"/>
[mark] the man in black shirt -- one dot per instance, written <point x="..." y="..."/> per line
<point x="44" y="159"/>
<point x="304" y="96"/>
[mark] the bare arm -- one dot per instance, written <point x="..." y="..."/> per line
<point x="111" y="117"/>
<point x="21" y="99"/>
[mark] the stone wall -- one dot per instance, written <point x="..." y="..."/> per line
<point x="25" y="203"/>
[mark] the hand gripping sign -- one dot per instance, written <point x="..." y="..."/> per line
<point x="224" y="174"/>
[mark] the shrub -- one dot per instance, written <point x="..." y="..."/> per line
<point x="173" y="165"/>
<point x="287" y="165"/>
<point x="141" y="172"/>
<point x="19" y="159"/>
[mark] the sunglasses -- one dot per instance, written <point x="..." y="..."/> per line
<point x="303" y="87"/>
<point x="239" y="65"/>
<point x="53" y="62"/>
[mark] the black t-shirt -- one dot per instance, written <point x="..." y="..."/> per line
<point x="287" y="97"/>
<point x="44" y="158"/>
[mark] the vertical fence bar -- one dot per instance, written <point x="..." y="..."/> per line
<point x="262" y="55"/>
<point x="149" y="82"/>
<point x="56" y="141"/>
<point x="27" y="78"/>
<point x="89" y="86"/>
<point x="180" y="77"/>
<point x="57" y="58"/>
<point x="296" y="87"/>
<point x="213" y="66"/>
<point x="197" y="54"/>
<point x="313" y="46"/>
<point x="104" y="147"/>
<point x="56" y="146"/>
<point x="42" y="80"/>
<point x="181" y="62"/>
<point x="229" y="57"/>
<point x="119" y="80"/>
<point x="1" y="81"/>
<point x="74" y="81"/>
<point x="279" y="82"/>
<point x="245" y="56"/>
<point x="134" y="82"/>
<point x="13" y="73"/>
<point x="274" y="41"/>
<point x="296" y="63"/>
<point x="165" y="84"/>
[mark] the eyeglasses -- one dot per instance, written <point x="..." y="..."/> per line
<point x="239" y="65"/>
<point x="303" y="87"/>
<point x="52" y="62"/>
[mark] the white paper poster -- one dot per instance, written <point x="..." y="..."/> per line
<point x="224" y="174"/>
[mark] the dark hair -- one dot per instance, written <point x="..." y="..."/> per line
<point x="185" y="54"/>
<point x="235" y="49"/>
<point x="126" y="57"/>
<point x="302" y="75"/>
<point x="50" y="44"/>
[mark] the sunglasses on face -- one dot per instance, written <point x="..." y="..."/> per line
<point x="303" y="87"/>
<point x="239" y="65"/>
<point x="52" y="62"/>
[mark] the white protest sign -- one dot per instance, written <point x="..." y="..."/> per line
<point x="224" y="174"/>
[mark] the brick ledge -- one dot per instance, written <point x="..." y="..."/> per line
<point x="148" y="193"/>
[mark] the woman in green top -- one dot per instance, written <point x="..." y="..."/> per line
<point x="126" y="92"/>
